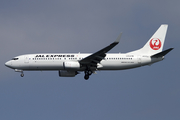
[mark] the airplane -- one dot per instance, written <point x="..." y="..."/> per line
<point x="71" y="64"/>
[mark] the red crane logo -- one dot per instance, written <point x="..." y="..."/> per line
<point x="155" y="44"/>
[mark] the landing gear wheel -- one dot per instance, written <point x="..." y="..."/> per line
<point x="22" y="75"/>
<point x="89" y="72"/>
<point x="86" y="77"/>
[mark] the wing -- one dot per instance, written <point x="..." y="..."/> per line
<point x="95" y="58"/>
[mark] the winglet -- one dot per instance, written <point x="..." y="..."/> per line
<point x="118" y="38"/>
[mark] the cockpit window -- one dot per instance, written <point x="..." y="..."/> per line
<point x="15" y="58"/>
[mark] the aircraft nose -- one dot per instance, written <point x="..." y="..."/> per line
<point x="8" y="63"/>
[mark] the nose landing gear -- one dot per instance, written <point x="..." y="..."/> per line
<point x="22" y="74"/>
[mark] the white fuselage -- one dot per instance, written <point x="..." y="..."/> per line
<point x="56" y="61"/>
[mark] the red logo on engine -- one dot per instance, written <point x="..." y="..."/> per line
<point x="155" y="44"/>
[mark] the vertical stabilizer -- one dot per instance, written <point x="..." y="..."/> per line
<point x="155" y="43"/>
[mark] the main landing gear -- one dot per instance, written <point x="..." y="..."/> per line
<point x="87" y="74"/>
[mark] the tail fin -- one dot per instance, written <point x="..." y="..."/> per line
<point x="155" y="43"/>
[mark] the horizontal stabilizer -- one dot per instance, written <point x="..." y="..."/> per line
<point x="163" y="53"/>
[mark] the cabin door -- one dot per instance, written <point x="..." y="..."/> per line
<point x="26" y="59"/>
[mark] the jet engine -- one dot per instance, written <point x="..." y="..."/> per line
<point x="64" y="73"/>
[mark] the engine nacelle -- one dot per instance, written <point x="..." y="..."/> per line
<point x="71" y="65"/>
<point x="64" y="73"/>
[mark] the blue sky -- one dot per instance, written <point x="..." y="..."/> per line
<point x="41" y="26"/>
